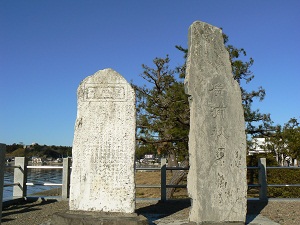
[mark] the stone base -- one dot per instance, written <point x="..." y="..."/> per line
<point x="97" y="218"/>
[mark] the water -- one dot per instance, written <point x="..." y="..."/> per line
<point x="33" y="176"/>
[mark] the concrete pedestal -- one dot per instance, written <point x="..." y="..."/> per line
<point x="97" y="218"/>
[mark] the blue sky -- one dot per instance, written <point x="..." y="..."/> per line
<point x="47" y="47"/>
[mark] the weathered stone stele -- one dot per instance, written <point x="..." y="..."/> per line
<point x="217" y="141"/>
<point x="102" y="176"/>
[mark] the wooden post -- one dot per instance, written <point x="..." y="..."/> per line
<point x="2" y="167"/>
<point x="20" y="176"/>
<point x="65" y="191"/>
<point x="262" y="178"/>
<point x="163" y="181"/>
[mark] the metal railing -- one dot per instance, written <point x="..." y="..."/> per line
<point x="12" y="184"/>
<point x="20" y="183"/>
<point x="163" y="179"/>
<point x="20" y="178"/>
<point x="44" y="184"/>
<point x="262" y="178"/>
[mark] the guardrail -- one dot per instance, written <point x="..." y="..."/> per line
<point x="20" y="178"/>
<point x="163" y="179"/>
<point x="262" y="178"/>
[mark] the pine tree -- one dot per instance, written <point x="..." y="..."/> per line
<point x="162" y="110"/>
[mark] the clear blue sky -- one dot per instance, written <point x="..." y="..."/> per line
<point x="47" y="47"/>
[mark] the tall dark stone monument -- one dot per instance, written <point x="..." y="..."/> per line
<point x="217" y="142"/>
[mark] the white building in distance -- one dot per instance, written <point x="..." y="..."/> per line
<point x="258" y="146"/>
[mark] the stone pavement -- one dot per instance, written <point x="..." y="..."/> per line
<point x="158" y="220"/>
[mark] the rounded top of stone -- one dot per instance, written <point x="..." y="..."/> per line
<point x="105" y="76"/>
<point x="203" y="24"/>
<point x="107" y="70"/>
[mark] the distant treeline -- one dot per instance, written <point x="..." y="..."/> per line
<point x="42" y="151"/>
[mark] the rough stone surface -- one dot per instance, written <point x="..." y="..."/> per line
<point x="102" y="176"/>
<point x="217" y="142"/>
<point x="97" y="218"/>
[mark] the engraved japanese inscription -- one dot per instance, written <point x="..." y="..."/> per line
<point x="104" y="144"/>
<point x="217" y="176"/>
<point x="110" y="92"/>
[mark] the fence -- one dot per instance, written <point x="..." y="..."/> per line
<point x="163" y="179"/>
<point x="21" y="167"/>
<point x="20" y="177"/>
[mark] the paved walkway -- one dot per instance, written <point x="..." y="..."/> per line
<point x="159" y="219"/>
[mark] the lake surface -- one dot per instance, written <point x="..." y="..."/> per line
<point x="33" y="176"/>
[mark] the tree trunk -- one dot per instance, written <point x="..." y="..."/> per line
<point x="177" y="177"/>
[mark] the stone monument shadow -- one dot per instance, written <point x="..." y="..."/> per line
<point x="23" y="207"/>
<point x="254" y="208"/>
<point x="163" y="209"/>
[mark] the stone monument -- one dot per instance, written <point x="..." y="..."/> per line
<point x="102" y="180"/>
<point x="102" y="176"/>
<point x="217" y="142"/>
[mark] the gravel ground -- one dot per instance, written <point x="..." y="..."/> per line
<point x="39" y="212"/>
<point x="283" y="212"/>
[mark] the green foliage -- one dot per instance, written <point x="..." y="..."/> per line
<point x="283" y="176"/>
<point x="291" y="134"/>
<point x="277" y="176"/>
<point x="286" y="140"/>
<point x="252" y="160"/>
<point x="20" y="152"/>
<point x="42" y="151"/>
<point x="162" y="110"/>
<point x="274" y="176"/>
<point x="13" y="147"/>
<point x="143" y="149"/>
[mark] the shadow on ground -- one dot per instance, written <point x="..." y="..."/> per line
<point x="163" y="209"/>
<point x="23" y="207"/>
<point x="254" y="207"/>
<point x="170" y="207"/>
